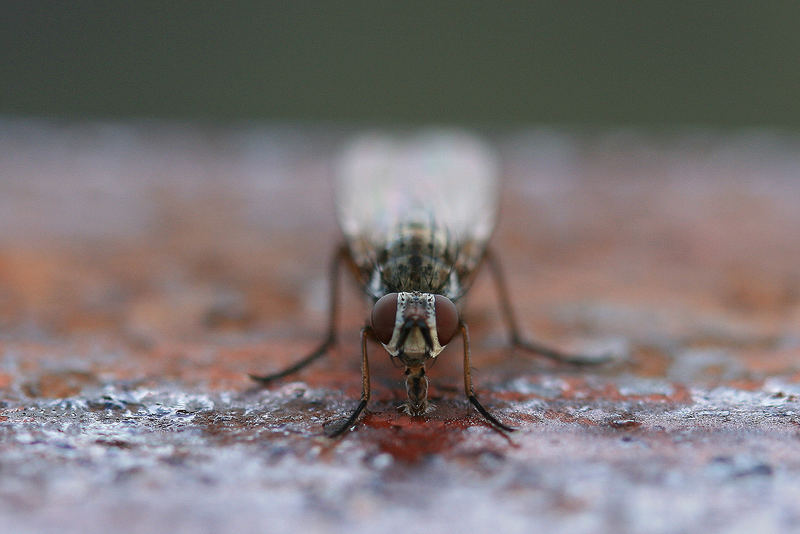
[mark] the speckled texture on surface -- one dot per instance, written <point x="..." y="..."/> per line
<point x="145" y="269"/>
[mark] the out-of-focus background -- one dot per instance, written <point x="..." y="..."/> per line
<point x="166" y="219"/>
<point x="515" y="63"/>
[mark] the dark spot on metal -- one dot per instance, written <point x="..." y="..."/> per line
<point x="626" y="424"/>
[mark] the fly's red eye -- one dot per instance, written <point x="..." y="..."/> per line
<point x="384" y="313"/>
<point x="446" y="319"/>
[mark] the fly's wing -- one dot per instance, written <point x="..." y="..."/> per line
<point x="445" y="182"/>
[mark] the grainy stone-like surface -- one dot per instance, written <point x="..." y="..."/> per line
<point x="145" y="269"/>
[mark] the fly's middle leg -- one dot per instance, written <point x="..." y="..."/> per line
<point x="342" y="255"/>
<point x="517" y="340"/>
<point x="339" y="429"/>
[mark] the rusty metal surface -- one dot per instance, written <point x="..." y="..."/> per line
<point x="145" y="269"/>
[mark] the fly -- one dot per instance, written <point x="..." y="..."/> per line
<point x="417" y="214"/>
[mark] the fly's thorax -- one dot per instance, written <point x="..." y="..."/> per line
<point x="419" y="258"/>
<point x="414" y="326"/>
<point x="421" y="273"/>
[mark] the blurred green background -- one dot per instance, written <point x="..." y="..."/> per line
<point x="719" y="64"/>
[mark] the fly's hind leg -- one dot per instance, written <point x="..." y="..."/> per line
<point x="517" y="340"/>
<point x="468" y="390"/>
<point x="342" y="255"/>
<point x="341" y="428"/>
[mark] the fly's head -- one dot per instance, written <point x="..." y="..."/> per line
<point x="415" y="327"/>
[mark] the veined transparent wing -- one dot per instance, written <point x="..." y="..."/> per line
<point x="441" y="185"/>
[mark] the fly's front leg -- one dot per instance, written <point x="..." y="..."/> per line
<point x="516" y="337"/>
<point x="337" y="430"/>
<point x="342" y="255"/>
<point x="468" y="391"/>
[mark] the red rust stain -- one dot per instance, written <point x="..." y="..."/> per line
<point x="575" y="387"/>
<point x="568" y="418"/>
<point x="579" y="390"/>
<point x="771" y="362"/>
<point x="60" y="384"/>
<point x="527" y="417"/>
<point x="611" y="392"/>
<point x="750" y="291"/>
<point x="515" y="396"/>
<point x="651" y="362"/>
<point x="6" y="380"/>
<point x="746" y="385"/>
<point x="794" y="378"/>
<point x="413" y="439"/>
<point x="681" y="394"/>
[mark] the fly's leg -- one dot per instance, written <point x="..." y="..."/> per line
<point x="365" y="389"/>
<point x="468" y="391"/>
<point x="342" y="255"/>
<point x="516" y="337"/>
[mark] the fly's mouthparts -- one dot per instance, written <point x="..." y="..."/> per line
<point x="417" y="390"/>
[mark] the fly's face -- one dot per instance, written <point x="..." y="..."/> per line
<point x="415" y="327"/>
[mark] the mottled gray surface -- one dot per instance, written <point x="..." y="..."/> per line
<point x="144" y="269"/>
<point x="147" y="460"/>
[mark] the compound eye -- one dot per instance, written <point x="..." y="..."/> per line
<point x="446" y="319"/>
<point x="384" y="313"/>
